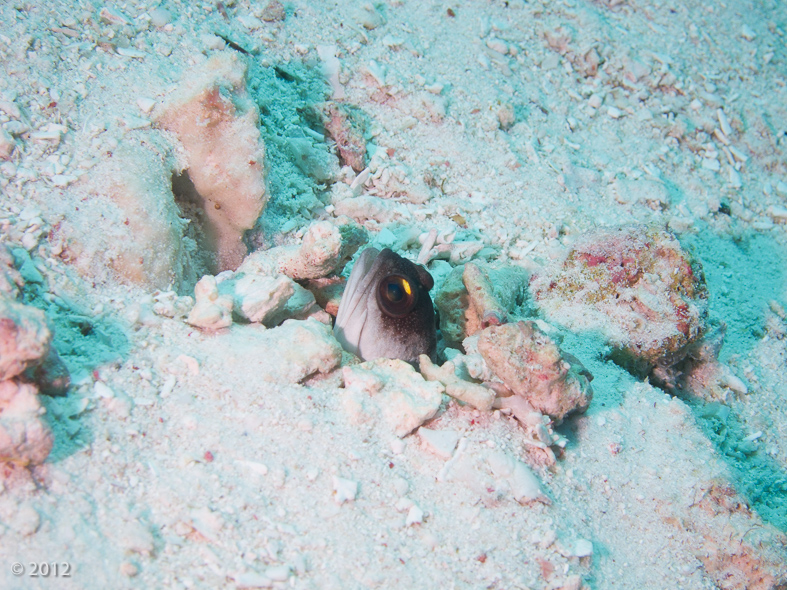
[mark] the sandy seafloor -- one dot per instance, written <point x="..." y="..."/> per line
<point x="497" y="114"/>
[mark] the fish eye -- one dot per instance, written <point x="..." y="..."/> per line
<point x="396" y="296"/>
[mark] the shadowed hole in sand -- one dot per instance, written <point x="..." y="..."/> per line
<point x="199" y="231"/>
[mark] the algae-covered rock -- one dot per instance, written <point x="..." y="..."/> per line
<point x="636" y="286"/>
<point x="24" y="337"/>
<point x="533" y="367"/>
<point x="24" y="438"/>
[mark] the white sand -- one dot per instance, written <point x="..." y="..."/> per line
<point x="196" y="473"/>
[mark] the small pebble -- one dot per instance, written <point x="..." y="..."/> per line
<point x="278" y="573"/>
<point x="401" y="486"/>
<point x="345" y="490"/>
<point x="113" y="17"/>
<point x="440" y="442"/>
<point x="102" y="390"/>
<point x="160" y="17"/>
<point x="10" y="109"/>
<point x="8" y="169"/>
<point x="145" y="104"/>
<point x="207" y="522"/>
<point x="370" y="17"/>
<point x="748" y="33"/>
<point x="128" y="569"/>
<point x="7" y="144"/>
<point x="130" y="52"/>
<point x="26" y="520"/>
<point x="735" y="384"/>
<point x="414" y="516"/>
<point x="252" y="580"/>
<point x="711" y="164"/>
<point x="63" y="180"/>
<point x="724" y="123"/>
<point x="497" y="45"/>
<point x="169" y="385"/>
<point x="273" y="12"/>
<point x="583" y="548"/>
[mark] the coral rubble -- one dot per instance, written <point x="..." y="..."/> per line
<point x="214" y="118"/>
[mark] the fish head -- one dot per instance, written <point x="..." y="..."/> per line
<point x="386" y="310"/>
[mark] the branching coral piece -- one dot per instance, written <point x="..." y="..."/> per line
<point x="474" y="394"/>
<point x="481" y="295"/>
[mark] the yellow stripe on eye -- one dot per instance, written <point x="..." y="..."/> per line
<point x="406" y="285"/>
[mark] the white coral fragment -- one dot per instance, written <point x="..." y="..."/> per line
<point x="414" y="516"/>
<point x="207" y="523"/>
<point x="252" y="580"/>
<point x="211" y="310"/>
<point x="258" y="298"/>
<point x="475" y="394"/>
<point x="390" y="391"/>
<point x="365" y="208"/>
<point x="440" y="442"/>
<point x="325" y="248"/>
<point x="300" y="347"/>
<point x="344" y="490"/>
<point x="494" y="474"/>
<point x="331" y="67"/>
<point x="523" y="485"/>
<point x="131" y="200"/>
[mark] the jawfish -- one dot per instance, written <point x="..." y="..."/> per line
<point x="386" y="310"/>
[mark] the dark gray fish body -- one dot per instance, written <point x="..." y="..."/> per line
<point x="386" y="311"/>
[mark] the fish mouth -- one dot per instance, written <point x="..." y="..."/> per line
<point x="351" y="317"/>
<point x="359" y="281"/>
